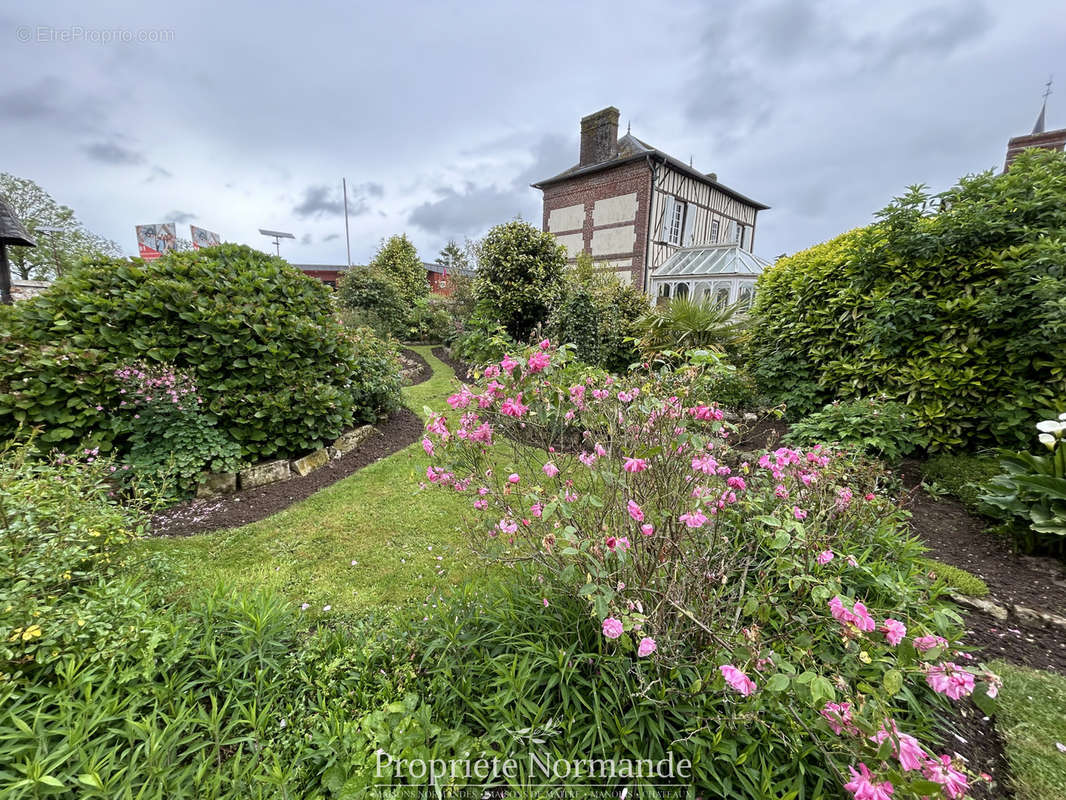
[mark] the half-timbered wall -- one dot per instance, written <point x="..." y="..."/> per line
<point x="710" y="216"/>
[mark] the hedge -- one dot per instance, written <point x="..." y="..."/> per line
<point x="954" y="304"/>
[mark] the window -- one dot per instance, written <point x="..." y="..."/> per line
<point x="737" y="232"/>
<point x="675" y="224"/>
<point x="721" y="293"/>
<point x="681" y="290"/>
<point x="664" y="291"/>
<point x="714" y="231"/>
<point x="744" y="297"/>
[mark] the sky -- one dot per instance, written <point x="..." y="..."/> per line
<point x="242" y="115"/>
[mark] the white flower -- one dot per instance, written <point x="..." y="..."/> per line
<point x="1062" y="416"/>
<point x="1047" y="439"/>
<point x="1051" y="426"/>
<point x="326" y="608"/>
<point x="305" y="606"/>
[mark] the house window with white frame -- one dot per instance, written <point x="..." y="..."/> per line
<point x="714" y="231"/>
<point x="676" y="222"/>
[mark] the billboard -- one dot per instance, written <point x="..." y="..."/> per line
<point x="201" y="237"/>
<point x="154" y="240"/>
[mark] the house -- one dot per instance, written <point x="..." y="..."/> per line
<point x="329" y="274"/>
<point x="652" y="219"/>
<point x="1044" y="139"/>
<point x="438" y="274"/>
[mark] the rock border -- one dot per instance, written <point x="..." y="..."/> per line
<point x="213" y="484"/>
<point x="1001" y="612"/>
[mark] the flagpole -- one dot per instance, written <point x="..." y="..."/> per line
<point x="347" y="241"/>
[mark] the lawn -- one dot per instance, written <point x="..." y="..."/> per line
<point x="369" y="540"/>
<point x="1032" y="721"/>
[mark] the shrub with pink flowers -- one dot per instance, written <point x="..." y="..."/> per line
<point x="784" y="580"/>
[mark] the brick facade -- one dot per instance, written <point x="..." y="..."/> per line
<point x="1051" y="140"/>
<point x="586" y="190"/>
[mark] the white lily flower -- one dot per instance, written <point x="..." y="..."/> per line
<point x="1047" y="439"/>
<point x="1051" y="426"/>
<point x="1062" y="416"/>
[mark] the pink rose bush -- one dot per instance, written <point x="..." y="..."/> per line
<point x="691" y="551"/>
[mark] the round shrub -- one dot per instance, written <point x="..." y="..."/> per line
<point x="953" y="305"/>
<point x="519" y="274"/>
<point x="276" y="371"/>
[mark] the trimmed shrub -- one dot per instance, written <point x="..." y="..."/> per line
<point x="375" y="297"/>
<point x="954" y="305"/>
<point x="520" y="270"/>
<point x="276" y="370"/>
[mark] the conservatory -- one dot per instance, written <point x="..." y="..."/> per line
<point x="723" y="274"/>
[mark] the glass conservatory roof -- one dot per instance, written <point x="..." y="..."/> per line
<point x="721" y="259"/>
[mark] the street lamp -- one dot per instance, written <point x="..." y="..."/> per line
<point x="278" y="236"/>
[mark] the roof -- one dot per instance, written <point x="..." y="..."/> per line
<point x="11" y="230"/>
<point x="719" y="259"/>
<point x="630" y="149"/>
<point x="442" y="269"/>
<point x="321" y="267"/>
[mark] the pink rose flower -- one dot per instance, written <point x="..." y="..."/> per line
<point x="950" y="679"/>
<point x="635" y="511"/>
<point x="799" y="513"/>
<point x="939" y="769"/>
<point x="646" y="647"/>
<point x="538" y="361"/>
<point x="737" y="679"/>
<point x="825" y="556"/>
<point x="693" y="519"/>
<point x="894" y="631"/>
<point x="924" y="643"/>
<point x="427" y="445"/>
<point x="862" y="786"/>
<point x="647" y="529"/>
<point x="612" y="628"/>
<point x="514" y="477"/>
<point x="544" y="344"/>
<point x="550" y="469"/>
<point x="635" y="465"/>
<point x="906" y="748"/>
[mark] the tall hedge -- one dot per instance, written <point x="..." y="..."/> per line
<point x="273" y="365"/>
<point x="953" y="304"/>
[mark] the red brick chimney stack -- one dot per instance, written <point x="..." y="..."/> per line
<point x="599" y="136"/>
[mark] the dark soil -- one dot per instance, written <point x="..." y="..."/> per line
<point x="972" y="735"/>
<point x="957" y="537"/>
<point x="252" y="505"/>
<point x="424" y="372"/>
<point x="462" y="369"/>
<point x="763" y="434"/>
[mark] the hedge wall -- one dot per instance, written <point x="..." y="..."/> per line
<point x="953" y="304"/>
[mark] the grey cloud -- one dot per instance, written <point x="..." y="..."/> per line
<point x="51" y="101"/>
<point x="305" y="239"/>
<point x="180" y="217"/>
<point x="113" y="153"/>
<point x="331" y="237"/>
<point x="471" y="209"/>
<point x="158" y="173"/>
<point x="326" y="201"/>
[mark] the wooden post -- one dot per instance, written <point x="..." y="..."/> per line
<point x="5" y="277"/>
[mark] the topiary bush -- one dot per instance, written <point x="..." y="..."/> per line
<point x="953" y="304"/>
<point x="277" y="372"/>
<point x="520" y="271"/>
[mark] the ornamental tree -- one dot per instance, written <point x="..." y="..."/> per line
<point x="398" y="259"/>
<point x="520" y="272"/>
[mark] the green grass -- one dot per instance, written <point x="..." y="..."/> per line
<point x="1032" y="721"/>
<point x="407" y="546"/>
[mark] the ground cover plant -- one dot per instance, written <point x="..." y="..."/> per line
<point x="951" y="304"/>
<point x="784" y="582"/>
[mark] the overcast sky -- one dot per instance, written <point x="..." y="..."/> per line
<point x="241" y="115"/>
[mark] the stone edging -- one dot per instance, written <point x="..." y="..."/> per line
<point x="268" y="472"/>
<point x="1001" y="612"/>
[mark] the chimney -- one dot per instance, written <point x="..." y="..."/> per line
<point x="599" y="136"/>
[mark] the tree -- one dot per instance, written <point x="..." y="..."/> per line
<point x="452" y="257"/>
<point x="376" y="296"/>
<point x="60" y="249"/>
<point x="398" y="259"/>
<point x="520" y="271"/>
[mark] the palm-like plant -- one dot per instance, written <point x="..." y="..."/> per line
<point x="683" y="324"/>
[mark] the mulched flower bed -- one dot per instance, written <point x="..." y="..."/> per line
<point x="230" y="511"/>
<point x="424" y="372"/>
<point x="462" y="369"/>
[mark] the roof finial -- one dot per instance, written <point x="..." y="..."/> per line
<point x="1039" y="126"/>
